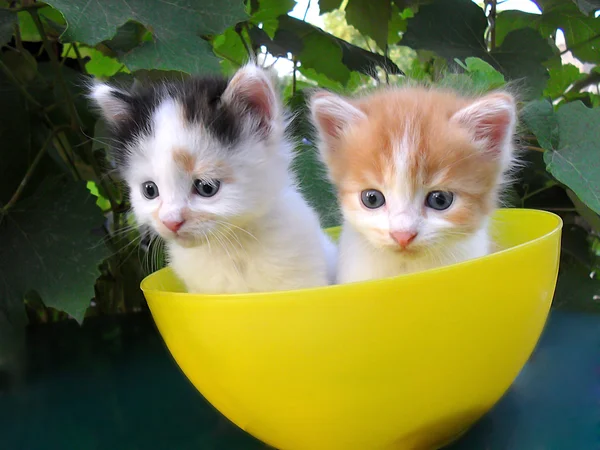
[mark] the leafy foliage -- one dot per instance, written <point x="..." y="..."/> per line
<point x="48" y="246"/>
<point x="64" y="223"/>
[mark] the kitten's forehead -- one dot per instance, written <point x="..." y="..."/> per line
<point x="410" y="143"/>
<point x="190" y="103"/>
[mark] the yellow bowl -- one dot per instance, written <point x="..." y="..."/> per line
<point x="400" y="363"/>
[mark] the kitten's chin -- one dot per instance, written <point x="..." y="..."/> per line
<point x="185" y="241"/>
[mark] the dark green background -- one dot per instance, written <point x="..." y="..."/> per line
<point x="111" y="384"/>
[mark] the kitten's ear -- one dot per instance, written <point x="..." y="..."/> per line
<point x="251" y="89"/>
<point x="331" y="114"/>
<point x="491" y="121"/>
<point x="114" y="103"/>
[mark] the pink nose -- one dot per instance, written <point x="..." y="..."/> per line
<point x="403" y="238"/>
<point x="173" y="225"/>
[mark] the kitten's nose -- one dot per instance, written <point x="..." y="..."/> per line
<point x="403" y="238"/>
<point x="173" y="225"/>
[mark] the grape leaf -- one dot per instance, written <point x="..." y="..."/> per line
<point x="454" y="29"/>
<point x="575" y="160"/>
<point x="561" y="78"/>
<point x="511" y="20"/>
<point x="7" y="21"/>
<point x="582" y="33"/>
<point x="268" y="13"/>
<point x="451" y="28"/>
<point x="48" y="246"/>
<point x="520" y="57"/>
<point x="371" y="18"/>
<point x="177" y="28"/>
<point x="321" y="51"/>
<point x="540" y="118"/>
<point x="484" y="76"/>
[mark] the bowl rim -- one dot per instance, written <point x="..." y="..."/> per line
<point x="425" y="273"/>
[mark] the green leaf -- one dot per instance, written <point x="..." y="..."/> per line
<point x="511" y="20"/>
<point x="371" y="18"/>
<point x="102" y="202"/>
<point x="454" y="29"/>
<point x="98" y="64"/>
<point x="268" y="13"/>
<point x="48" y="246"/>
<point x="321" y="51"/>
<point x="560" y="79"/>
<point x="540" y="118"/>
<point x="520" y="58"/>
<point x="229" y="45"/>
<point x="451" y="28"/>
<point x="51" y="18"/>
<point x="128" y="37"/>
<point x="22" y="65"/>
<point x="7" y="22"/>
<point x="326" y="6"/>
<point x="575" y="162"/>
<point x="484" y="76"/>
<point x="582" y="33"/>
<point x="590" y="216"/>
<point x="176" y="27"/>
<point x="398" y="23"/>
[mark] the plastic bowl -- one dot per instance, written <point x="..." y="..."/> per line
<point x="399" y="363"/>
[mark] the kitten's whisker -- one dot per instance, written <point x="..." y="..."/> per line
<point x="222" y="222"/>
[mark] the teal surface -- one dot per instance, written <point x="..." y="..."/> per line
<point x="111" y="384"/>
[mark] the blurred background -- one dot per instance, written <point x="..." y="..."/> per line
<point x="71" y="258"/>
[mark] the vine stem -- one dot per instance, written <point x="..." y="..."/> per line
<point x="535" y="149"/>
<point x="75" y="119"/>
<point x="492" y="22"/>
<point x="26" y="7"/>
<point x="294" y="76"/>
<point x="19" y="86"/>
<point x="538" y="191"/>
<point x="31" y="169"/>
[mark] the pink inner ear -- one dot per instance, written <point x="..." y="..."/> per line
<point x="257" y="95"/>
<point x="490" y="121"/>
<point x="494" y="129"/>
<point x="330" y="124"/>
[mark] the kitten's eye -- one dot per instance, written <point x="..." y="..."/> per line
<point x="207" y="188"/>
<point x="439" y="200"/>
<point x="372" y="198"/>
<point x="150" y="190"/>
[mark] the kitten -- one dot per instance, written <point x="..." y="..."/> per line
<point x="207" y="163"/>
<point x="418" y="173"/>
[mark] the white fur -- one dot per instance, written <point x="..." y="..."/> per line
<point x="261" y="234"/>
<point x="359" y="260"/>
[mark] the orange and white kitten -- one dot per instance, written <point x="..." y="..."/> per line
<point x="418" y="173"/>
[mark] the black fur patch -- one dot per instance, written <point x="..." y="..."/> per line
<point x="200" y="98"/>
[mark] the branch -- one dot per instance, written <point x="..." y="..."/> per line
<point x="535" y="149"/>
<point x="239" y="30"/>
<point x="26" y="7"/>
<point x="294" y="76"/>
<point x="19" y="86"/>
<point x="592" y="78"/>
<point x="580" y="44"/>
<point x="492" y="20"/>
<point x="75" y="119"/>
<point x="31" y="169"/>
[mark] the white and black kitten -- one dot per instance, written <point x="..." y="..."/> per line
<point x="207" y="163"/>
